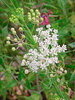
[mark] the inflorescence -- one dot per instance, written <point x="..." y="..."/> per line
<point x="16" y="40"/>
<point x="34" y="16"/>
<point x="49" y="49"/>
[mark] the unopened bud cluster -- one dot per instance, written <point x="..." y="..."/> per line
<point x="15" y="17"/>
<point x="35" y="16"/>
<point x="16" y="41"/>
<point x="20" y="11"/>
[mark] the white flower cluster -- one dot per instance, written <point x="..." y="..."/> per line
<point x="49" y="49"/>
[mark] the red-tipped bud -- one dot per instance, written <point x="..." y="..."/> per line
<point x="46" y="20"/>
<point x="51" y="12"/>
<point x="43" y="23"/>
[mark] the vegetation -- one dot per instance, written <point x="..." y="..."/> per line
<point x="16" y="81"/>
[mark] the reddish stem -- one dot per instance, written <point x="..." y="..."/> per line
<point x="41" y="7"/>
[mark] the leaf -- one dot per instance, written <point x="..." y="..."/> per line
<point x="60" y="57"/>
<point x="50" y="6"/>
<point x="21" y="74"/>
<point x="62" y="80"/>
<point x="11" y="84"/>
<point x="1" y="68"/>
<point x="1" y="61"/>
<point x="61" y="3"/>
<point x="72" y="45"/>
<point x="68" y="75"/>
<point x="72" y="18"/>
<point x="50" y="46"/>
<point x="28" y="85"/>
<point x="72" y="66"/>
<point x="72" y="76"/>
<point x="5" y="30"/>
<point x="31" y="77"/>
<point x="34" y="96"/>
<point x="60" y="93"/>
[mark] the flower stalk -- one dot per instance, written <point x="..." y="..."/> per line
<point x="37" y="84"/>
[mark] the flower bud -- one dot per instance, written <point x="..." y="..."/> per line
<point x="8" y="38"/>
<point x="41" y="19"/>
<point x="26" y="71"/>
<point x="29" y="16"/>
<point x="29" y="13"/>
<point x="15" y="39"/>
<point x="36" y="10"/>
<point x="58" y="80"/>
<point x="13" y="49"/>
<point x="51" y="94"/>
<point x="29" y="19"/>
<point x="33" y="18"/>
<point x="58" y="72"/>
<point x="37" y="17"/>
<point x="66" y="82"/>
<point x="37" y="22"/>
<point x="33" y="14"/>
<point x="20" y="29"/>
<point x="12" y="29"/>
<point x="61" y="73"/>
<point x="38" y="13"/>
<point x="31" y="10"/>
<point x="62" y="69"/>
<point x="51" y="75"/>
<point x="65" y="71"/>
<point x="15" y="20"/>
<point x="23" y="36"/>
<point x="14" y="32"/>
<point x="8" y="42"/>
<point x="20" y="44"/>
<point x="55" y="94"/>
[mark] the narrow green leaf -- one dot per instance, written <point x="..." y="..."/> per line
<point x="72" y="45"/>
<point x="21" y="74"/>
<point x="28" y="85"/>
<point x="1" y="61"/>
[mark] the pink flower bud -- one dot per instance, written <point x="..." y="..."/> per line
<point x="43" y="23"/>
<point x="51" y="12"/>
<point x="46" y="20"/>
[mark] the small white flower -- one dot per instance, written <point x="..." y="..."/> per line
<point x="35" y="38"/>
<point x="61" y="73"/>
<point x="50" y="29"/>
<point x="48" y="26"/>
<point x="39" y="29"/>
<point x="23" y="62"/>
<point x="30" y="50"/>
<point x="26" y="71"/>
<point x="58" y="80"/>
<point x="62" y="69"/>
<point x="55" y="31"/>
<point x="43" y="66"/>
<point x="27" y="63"/>
<point x="55" y="59"/>
<point x="51" y="75"/>
<point x="25" y="56"/>
<point x="65" y="71"/>
<point x="58" y="72"/>
<point x="64" y="48"/>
